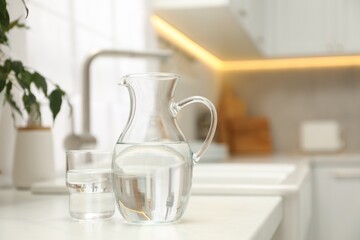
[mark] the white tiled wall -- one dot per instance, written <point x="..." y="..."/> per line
<point x="48" y="45"/>
<point x="288" y="98"/>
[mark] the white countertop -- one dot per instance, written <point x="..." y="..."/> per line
<point x="27" y="216"/>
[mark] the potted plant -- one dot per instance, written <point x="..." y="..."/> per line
<point x="23" y="89"/>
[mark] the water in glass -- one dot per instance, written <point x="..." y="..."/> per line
<point x="91" y="194"/>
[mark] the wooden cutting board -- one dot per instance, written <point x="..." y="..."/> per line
<point x="229" y="107"/>
<point x="243" y="134"/>
<point x="250" y="136"/>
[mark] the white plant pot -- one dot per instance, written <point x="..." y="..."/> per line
<point x="34" y="156"/>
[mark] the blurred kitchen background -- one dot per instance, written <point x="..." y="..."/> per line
<point x="267" y="107"/>
<point x="284" y="75"/>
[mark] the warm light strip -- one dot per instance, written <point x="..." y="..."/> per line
<point x="176" y="37"/>
<point x="292" y="63"/>
<point x="171" y="34"/>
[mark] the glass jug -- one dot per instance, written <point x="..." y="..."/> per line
<point x="152" y="163"/>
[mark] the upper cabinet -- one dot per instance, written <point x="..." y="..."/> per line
<point x="227" y="29"/>
<point x="322" y="27"/>
<point x="296" y="28"/>
<point x="351" y="23"/>
<point x="243" y="29"/>
<point x="250" y="14"/>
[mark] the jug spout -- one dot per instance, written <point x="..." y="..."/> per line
<point x="151" y="92"/>
<point x="151" y="97"/>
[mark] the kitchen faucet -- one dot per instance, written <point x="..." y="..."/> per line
<point x="85" y="139"/>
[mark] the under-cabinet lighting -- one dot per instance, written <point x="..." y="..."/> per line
<point x="292" y="63"/>
<point x="173" y="35"/>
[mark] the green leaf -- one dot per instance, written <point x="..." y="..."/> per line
<point x="2" y="5"/>
<point x="8" y="89"/>
<point x="4" y="15"/>
<point x="22" y="25"/>
<point x="39" y="82"/>
<point x="28" y="101"/>
<point x="2" y="84"/>
<point x="7" y="66"/>
<point x="55" y="98"/>
<point x="24" y="79"/>
<point x="16" y="23"/>
<point x="3" y="77"/>
<point x="9" y="98"/>
<point x="59" y="89"/>
<point x="13" y="24"/>
<point x="3" y="37"/>
<point x="17" y="67"/>
<point x="14" y="106"/>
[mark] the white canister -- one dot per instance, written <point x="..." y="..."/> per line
<point x="34" y="156"/>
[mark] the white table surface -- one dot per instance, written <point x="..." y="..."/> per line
<point x="27" y="216"/>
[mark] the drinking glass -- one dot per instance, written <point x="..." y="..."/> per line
<point x="89" y="179"/>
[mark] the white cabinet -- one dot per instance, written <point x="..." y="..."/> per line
<point x="299" y="28"/>
<point x="351" y="29"/>
<point x="251" y="15"/>
<point x="322" y="27"/>
<point x="336" y="202"/>
<point x="247" y="29"/>
<point x="296" y="29"/>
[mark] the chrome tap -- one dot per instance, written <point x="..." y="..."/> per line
<point x="75" y="141"/>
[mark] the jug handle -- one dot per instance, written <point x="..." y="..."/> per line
<point x="213" y="117"/>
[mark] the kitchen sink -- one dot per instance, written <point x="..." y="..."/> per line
<point x="291" y="180"/>
<point x="238" y="174"/>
